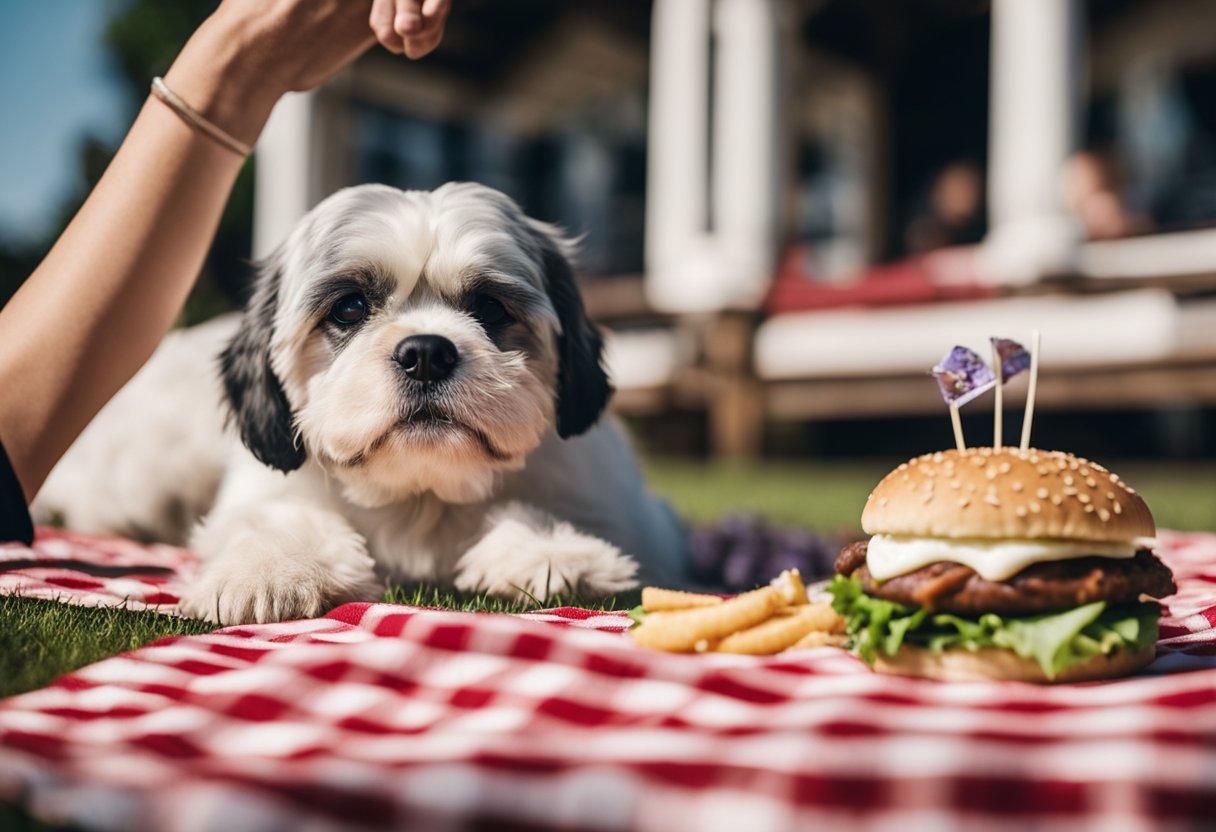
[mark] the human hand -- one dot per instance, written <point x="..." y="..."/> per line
<point x="291" y="45"/>
<point x="414" y="27"/>
<point x="248" y="53"/>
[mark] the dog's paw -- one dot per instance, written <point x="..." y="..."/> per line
<point x="261" y="579"/>
<point x="517" y="559"/>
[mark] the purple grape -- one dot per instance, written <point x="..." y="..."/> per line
<point x="783" y="559"/>
<point x="740" y="551"/>
<point x="705" y="552"/>
<point x="738" y="570"/>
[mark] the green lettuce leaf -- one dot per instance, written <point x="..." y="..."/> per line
<point x="637" y="614"/>
<point x="1054" y="640"/>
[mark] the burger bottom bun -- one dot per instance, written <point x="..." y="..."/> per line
<point x="995" y="664"/>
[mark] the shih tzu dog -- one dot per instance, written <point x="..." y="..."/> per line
<point x="417" y="392"/>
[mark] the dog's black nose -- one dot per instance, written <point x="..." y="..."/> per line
<point x="427" y="358"/>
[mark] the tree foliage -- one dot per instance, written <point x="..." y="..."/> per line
<point x="141" y="40"/>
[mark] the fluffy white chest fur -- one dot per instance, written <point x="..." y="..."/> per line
<point x="417" y="395"/>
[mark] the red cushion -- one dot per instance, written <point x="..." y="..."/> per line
<point x="919" y="279"/>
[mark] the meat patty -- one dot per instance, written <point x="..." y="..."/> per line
<point x="1043" y="587"/>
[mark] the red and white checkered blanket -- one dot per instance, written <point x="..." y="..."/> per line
<point x="379" y="717"/>
<point x="96" y="571"/>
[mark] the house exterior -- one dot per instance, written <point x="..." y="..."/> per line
<point x="709" y="147"/>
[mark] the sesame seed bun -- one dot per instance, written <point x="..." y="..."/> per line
<point x="1006" y="494"/>
<point x="994" y="664"/>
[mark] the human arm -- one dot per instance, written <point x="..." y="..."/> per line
<point x="96" y="307"/>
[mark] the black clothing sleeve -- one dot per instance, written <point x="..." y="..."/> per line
<point x="15" y="523"/>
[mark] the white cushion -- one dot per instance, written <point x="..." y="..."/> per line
<point x="645" y="358"/>
<point x="1133" y="327"/>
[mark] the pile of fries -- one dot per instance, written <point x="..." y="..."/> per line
<point x="768" y="620"/>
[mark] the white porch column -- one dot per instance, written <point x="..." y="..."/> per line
<point x="1032" y="130"/>
<point x="677" y="148"/>
<point x="745" y="149"/>
<point x="286" y="181"/>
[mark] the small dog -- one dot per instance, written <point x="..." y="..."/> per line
<point x="418" y="393"/>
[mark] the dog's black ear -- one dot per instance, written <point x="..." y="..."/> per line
<point x="256" y="397"/>
<point x="583" y="389"/>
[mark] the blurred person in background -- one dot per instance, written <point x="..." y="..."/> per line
<point x="952" y="212"/>
<point x="96" y="307"/>
<point x="1093" y="192"/>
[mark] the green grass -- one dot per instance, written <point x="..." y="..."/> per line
<point x="42" y="640"/>
<point x="1181" y="496"/>
<point x="829" y="496"/>
<point x="824" y="496"/>
<point x="429" y="596"/>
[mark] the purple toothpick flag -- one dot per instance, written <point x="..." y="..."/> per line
<point x="1014" y="357"/>
<point x="962" y="375"/>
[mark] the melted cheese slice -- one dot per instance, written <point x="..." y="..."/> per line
<point x="995" y="560"/>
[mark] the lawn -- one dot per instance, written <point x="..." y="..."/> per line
<point x="829" y="496"/>
<point x="40" y="640"/>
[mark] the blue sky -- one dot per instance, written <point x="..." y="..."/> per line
<point x="55" y="85"/>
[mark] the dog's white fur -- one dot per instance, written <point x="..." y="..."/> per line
<point x="339" y="485"/>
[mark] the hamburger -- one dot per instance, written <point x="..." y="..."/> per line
<point x="1024" y="565"/>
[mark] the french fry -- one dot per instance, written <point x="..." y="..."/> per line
<point x="830" y="617"/>
<point x="780" y="632"/>
<point x="656" y="599"/>
<point x="679" y="631"/>
<point x="765" y="621"/>
<point x="791" y="585"/>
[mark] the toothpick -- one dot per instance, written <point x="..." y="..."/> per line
<point x="999" y="410"/>
<point x="1028" y="418"/>
<point x="958" y="428"/>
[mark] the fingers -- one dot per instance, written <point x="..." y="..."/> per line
<point x="383" y="22"/>
<point x="423" y="24"/>
<point x="409" y="18"/>
<point x="412" y="27"/>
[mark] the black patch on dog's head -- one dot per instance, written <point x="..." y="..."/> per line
<point x="255" y="395"/>
<point x="583" y="388"/>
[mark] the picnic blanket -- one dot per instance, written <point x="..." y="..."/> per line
<point x="734" y="554"/>
<point x="96" y="571"/>
<point x="379" y="716"/>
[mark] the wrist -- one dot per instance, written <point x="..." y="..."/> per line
<point x="216" y="76"/>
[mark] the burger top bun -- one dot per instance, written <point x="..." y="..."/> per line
<point x="1003" y="494"/>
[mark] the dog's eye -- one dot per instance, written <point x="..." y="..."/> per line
<point x="488" y="311"/>
<point x="348" y="310"/>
